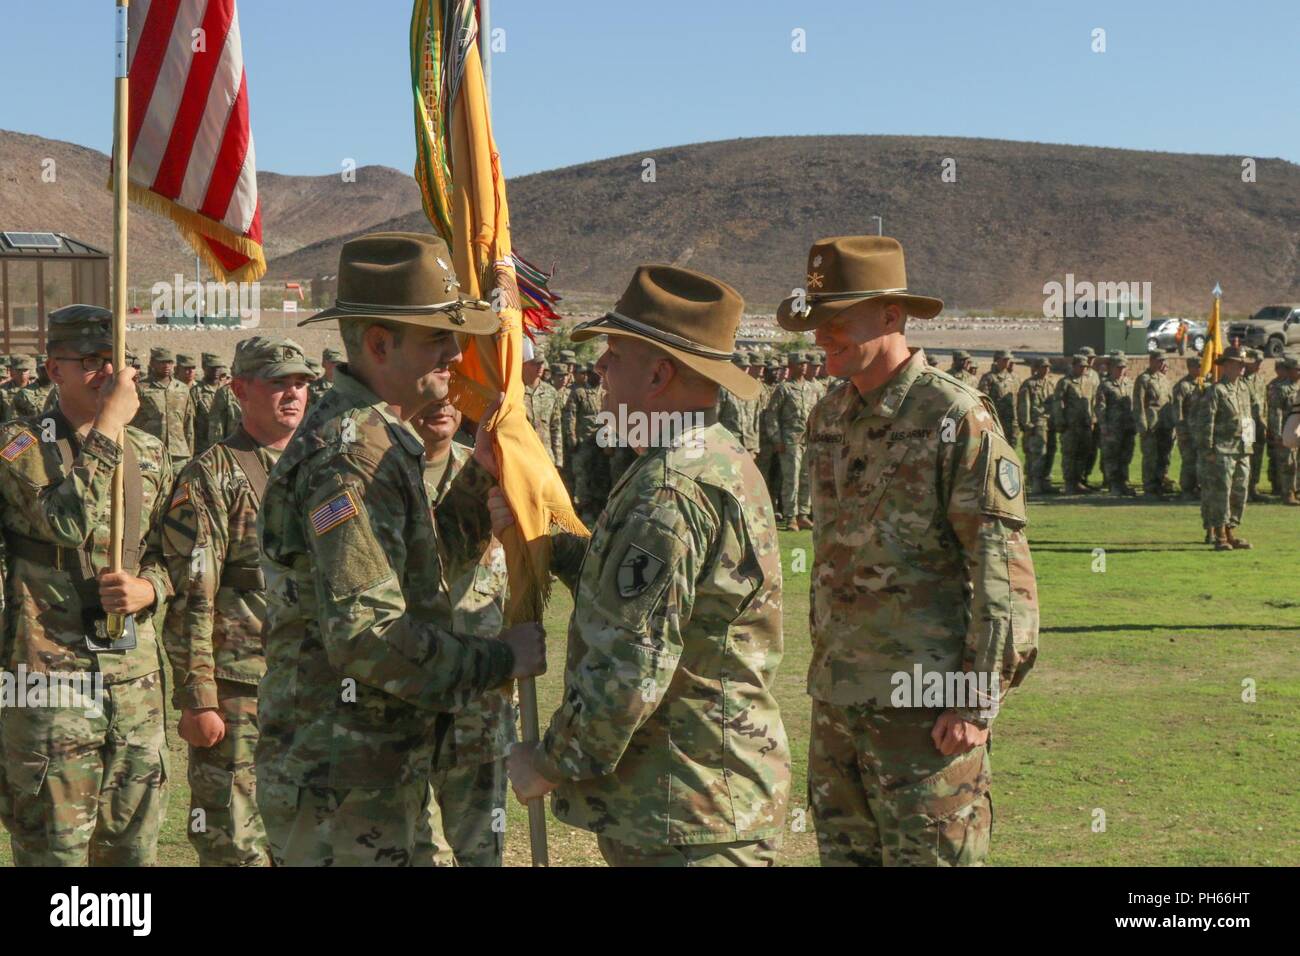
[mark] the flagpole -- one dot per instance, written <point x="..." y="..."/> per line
<point x="121" y="107"/>
<point x="527" y="685"/>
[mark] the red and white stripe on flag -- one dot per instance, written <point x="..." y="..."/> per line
<point x="190" y="144"/>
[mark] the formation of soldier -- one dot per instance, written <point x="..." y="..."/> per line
<point x="324" y="573"/>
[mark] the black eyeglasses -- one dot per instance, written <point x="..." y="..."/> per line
<point x="90" y="363"/>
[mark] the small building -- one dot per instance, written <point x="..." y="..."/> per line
<point x="41" y="272"/>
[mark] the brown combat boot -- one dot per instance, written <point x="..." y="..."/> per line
<point x="1290" y="499"/>
<point x="805" y="523"/>
<point x="1238" y="544"/>
<point x="1221" y="540"/>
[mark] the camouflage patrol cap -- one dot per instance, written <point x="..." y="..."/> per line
<point x="739" y="360"/>
<point x="213" y="360"/>
<point x="1230" y="354"/>
<point x="40" y="358"/>
<point x="959" y="354"/>
<point x="23" y="363"/>
<point x="1087" y="351"/>
<point x="1004" y="354"/>
<point x="1042" y="362"/>
<point x="1287" y="361"/>
<point x="266" y="356"/>
<point x="1254" y="355"/>
<point x="1117" y="360"/>
<point x="84" y="328"/>
<point x="332" y="355"/>
<point x="1078" y="358"/>
<point x="161" y="353"/>
<point x="795" y="358"/>
<point x="559" y="368"/>
<point x="185" y="360"/>
<point x="5" y="360"/>
<point x="568" y="356"/>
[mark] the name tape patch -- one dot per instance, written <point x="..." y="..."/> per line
<point x="331" y="514"/>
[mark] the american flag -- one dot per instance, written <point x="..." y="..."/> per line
<point x="333" y="513"/>
<point x="190" y="145"/>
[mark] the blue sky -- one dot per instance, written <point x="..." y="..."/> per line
<point x="587" y="79"/>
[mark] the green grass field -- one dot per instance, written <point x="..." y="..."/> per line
<point x="1134" y="709"/>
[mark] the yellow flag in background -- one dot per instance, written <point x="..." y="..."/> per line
<point x="448" y="77"/>
<point x="1213" y="345"/>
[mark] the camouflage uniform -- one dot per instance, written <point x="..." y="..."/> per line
<point x="203" y="392"/>
<point x="1225" y="420"/>
<point x="1153" y="403"/>
<point x="467" y="816"/>
<point x="1117" y="421"/>
<point x="590" y="461"/>
<point x="1077" y="420"/>
<point x="740" y="417"/>
<point x="224" y="414"/>
<point x="960" y="369"/>
<point x="1282" y="394"/>
<point x="10" y="391"/>
<point x="769" y="465"/>
<point x="542" y="403"/>
<point x="921" y="561"/>
<point x="669" y="743"/>
<point x="34" y="398"/>
<point x="1033" y="413"/>
<point x="1258" y="391"/>
<point x="87" y="781"/>
<point x="1185" y="397"/>
<point x="167" y="413"/>
<point x="213" y="636"/>
<point x="1000" y="387"/>
<point x="794" y="403"/>
<point x="356" y="670"/>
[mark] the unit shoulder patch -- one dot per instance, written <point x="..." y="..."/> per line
<point x="637" y="570"/>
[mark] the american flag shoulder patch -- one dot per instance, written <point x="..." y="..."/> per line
<point x="20" y="444"/>
<point x="342" y="507"/>
<point x="181" y="496"/>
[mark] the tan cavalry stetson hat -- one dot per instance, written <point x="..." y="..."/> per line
<point x="844" y="271"/>
<point x="404" y="277"/>
<point x="691" y="316"/>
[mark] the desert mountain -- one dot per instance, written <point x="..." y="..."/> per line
<point x="1018" y="215"/>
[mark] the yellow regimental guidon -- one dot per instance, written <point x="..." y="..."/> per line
<point x="21" y="443"/>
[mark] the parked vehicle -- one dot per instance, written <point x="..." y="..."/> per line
<point x="1163" y="334"/>
<point x="1272" y="329"/>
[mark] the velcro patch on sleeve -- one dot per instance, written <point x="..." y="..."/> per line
<point x="180" y="496"/>
<point x="21" y="443"/>
<point x="1003" y="492"/>
<point x="332" y="513"/>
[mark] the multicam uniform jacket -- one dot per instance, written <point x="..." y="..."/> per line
<point x="213" y="629"/>
<point x="167" y="413"/>
<point x="484" y="729"/>
<point x="356" y="669"/>
<point x="669" y="732"/>
<point x="55" y="511"/>
<point x="921" y="556"/>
